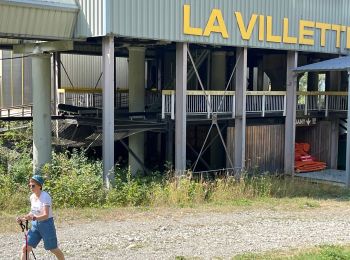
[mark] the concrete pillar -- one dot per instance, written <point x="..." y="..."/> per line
<point x="41" y="81"/>
<point x="108" y="110"/>
<point x="218" y="70"/>
<point x="334" y="143"/>
<point x="180" y="108"/>
<point x="312" y="81"/>
<point x="251" y="79"/>
<point x="291" y="88"/>
<point x="208" y="71"/>
<point x="169" y="152"/>
<point x="261" y="86"/>
<point x="159" y="72"/>
<point x="333" y="81"/>
<point x="240" y="103"/>
<point x="218" y="82"/>
<point x="255" y="79"/>
<point x="137" y="104"/>
<point x="169" y="65"/>
<point x="275" y="67"/>
<point x="343" y="81"/>
<point x="260" y="81"/>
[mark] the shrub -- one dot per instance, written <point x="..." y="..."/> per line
<point x="13" y="195"/>
<point x="74" y="181"/>
<point x="128" y="191"/>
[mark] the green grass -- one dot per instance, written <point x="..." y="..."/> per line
<point x="325" y="252"/>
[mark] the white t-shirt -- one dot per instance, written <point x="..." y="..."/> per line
<point x="38" y="204"/>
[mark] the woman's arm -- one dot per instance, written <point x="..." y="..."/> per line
<point x="29" y="216"/>
<point x="43" y="216"/>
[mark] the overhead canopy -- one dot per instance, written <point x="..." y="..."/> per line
<point x="337" y="64"/>
<point x="38" y="19"/>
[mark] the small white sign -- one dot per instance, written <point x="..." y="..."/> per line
<point x="306" y="121"/>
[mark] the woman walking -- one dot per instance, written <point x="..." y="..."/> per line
<point x="43" y="226"/>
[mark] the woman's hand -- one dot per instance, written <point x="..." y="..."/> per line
<point x="29" y="216"/>
<point x="20" y="219"/>
<point x="24" y="218"/>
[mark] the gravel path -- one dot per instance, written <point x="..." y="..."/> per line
<point x="191" y="233"/>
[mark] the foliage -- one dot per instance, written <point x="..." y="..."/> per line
<point x="75" y="181"/>
<point x="128" y="191"/>
<point x="13" y="195"/>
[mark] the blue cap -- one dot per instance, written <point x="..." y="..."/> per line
<point x="38" y="179"/>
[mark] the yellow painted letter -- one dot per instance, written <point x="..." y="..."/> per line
<point x="187" y="20"/>
<point x="303" y="32"/>
<point x="261" y="28"/>
<point x="216" y="15"/>
<point x="338" y="29"/>
<point x="348" y="38"/>
<point x="286" y="37"/>
<point x="269" y="36"/>
<point x="246" y="33"/>
<point x="323" y="27"/>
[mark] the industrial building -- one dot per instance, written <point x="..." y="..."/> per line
<point x="211" y="85"/>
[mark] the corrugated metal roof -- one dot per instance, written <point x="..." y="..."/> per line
<point x="91" y="19"/>
<point x="57" y="4"/>
<point x="163" y="20"/>
<point x="39" y="19"/>
<point x="337" y="64"/>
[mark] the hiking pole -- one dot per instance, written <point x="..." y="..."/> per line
<point x="25" y="230"/>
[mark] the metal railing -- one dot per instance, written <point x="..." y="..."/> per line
<point x="223" y="103"/>
<point x="17" y="111"/>
<point x="266" y="102"/>
<point x="81" y="97"/>
<point x="260" y="102"/>
<point x="197" y="103"/>
<point x="322" y="102"/>
<point x="88" y="97"/>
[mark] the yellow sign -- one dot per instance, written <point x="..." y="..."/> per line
<point x="265" y="25"/>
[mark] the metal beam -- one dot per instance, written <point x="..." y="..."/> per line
<point x="289" y="139"/>
<point x="347" y="167"/>
<point x="180" y="108"/>
<point x="55" y="46"/>
<point x="240" y="103"/>
<point x="56" y="79"/>
<point x="108" y="110"/>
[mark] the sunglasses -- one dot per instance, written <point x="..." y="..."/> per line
<point x="31" y="186"/>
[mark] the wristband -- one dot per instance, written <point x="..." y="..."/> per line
<point x="34" y="218"/>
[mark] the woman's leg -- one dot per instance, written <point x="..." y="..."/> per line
<point x="58" y="253"/>
<point x="23" y="253"/>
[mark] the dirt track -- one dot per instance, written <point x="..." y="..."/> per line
<point x="205" y="234"/>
